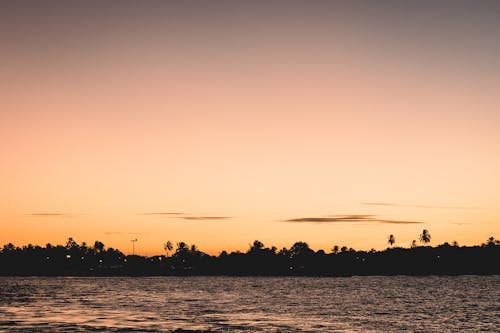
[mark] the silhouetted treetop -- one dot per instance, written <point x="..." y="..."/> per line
<point x="425" y="236"/>
<point x="391" y="240"/>
<point x="74" y="259"/>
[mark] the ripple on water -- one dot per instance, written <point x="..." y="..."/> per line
<point x="246" y="304"/>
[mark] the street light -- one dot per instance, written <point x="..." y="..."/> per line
<point x="133" y="245"/>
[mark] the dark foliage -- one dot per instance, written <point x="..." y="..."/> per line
<point x="298" y="260"/>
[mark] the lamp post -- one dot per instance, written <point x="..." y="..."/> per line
<point x="133" y="245"/>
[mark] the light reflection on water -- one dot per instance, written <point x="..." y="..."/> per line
<point x="250" y="304"/>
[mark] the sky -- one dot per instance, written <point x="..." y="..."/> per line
<point x="218" y="123"/>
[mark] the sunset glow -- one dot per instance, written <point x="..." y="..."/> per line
<point x="224" y="123"/>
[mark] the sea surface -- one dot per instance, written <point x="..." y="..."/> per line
<point x="250" y="304"/>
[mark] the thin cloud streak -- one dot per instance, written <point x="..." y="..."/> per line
<point x="349" y="219"/>
<point x="49" y="214"/>
<point x="204" y="218"/>
<point x="398" y="222"/>
<point x="177" y="215"/>
<point x="352" y="217"/>
<point x="391" y="204"/>
<point x="162" y="213"/>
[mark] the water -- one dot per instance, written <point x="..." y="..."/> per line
<point x="250" y="304"/>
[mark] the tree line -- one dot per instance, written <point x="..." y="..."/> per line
<point x="298" y="260"/>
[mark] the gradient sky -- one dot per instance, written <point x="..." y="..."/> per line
<point x="330" y="123"/>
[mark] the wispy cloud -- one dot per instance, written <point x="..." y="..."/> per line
<point x="184" y="216"/>
<point x="355" y="218"/>
<point x="204" y="218"/>
<point x="162" y="213"/>
<point x="397" y="221"/>
<point x="49" y="214"/>
<point x="392" y="204"/>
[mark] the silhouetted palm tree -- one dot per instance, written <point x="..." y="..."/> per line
<point x="391" y="240"/>
<point x="182" y="250"/>
<point x="490" y="241"/>
<point x="425" y="237"/>
<point x="168" y="246"/>
<point x="413" y="244"/>
<point x="335" y="249"/>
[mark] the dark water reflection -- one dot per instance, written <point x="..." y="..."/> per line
<point x="249" y="304"/>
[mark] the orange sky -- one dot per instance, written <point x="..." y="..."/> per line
<point x="259" y="114"/>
